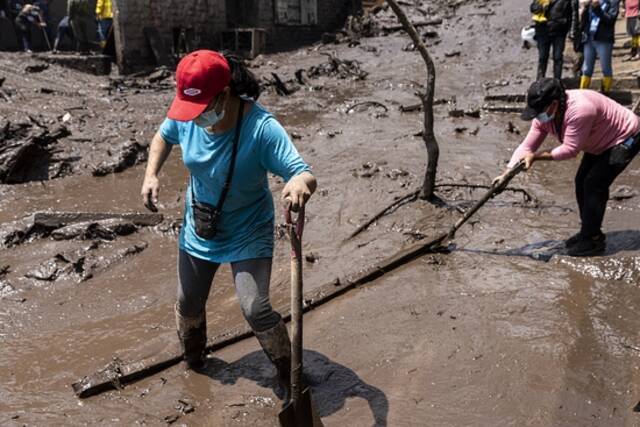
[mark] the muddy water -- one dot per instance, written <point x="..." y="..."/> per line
<point x="503" y="331"/>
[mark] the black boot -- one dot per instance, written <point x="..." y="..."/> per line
<point x="192" y="332"/>
<point x="276" y="344"/>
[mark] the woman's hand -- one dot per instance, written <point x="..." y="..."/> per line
<point x="299" y="189"/>
<point x="149" y="192"/>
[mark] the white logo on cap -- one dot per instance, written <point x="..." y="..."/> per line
<point x="192" y="91"/>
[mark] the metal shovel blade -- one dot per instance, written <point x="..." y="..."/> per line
<point x="301" y="415"/>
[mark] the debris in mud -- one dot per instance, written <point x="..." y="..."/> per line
<point x="107" y="229"/>
<point x="341" y="68"/>
<point x="623" y="192"/>
<point x="262" y="401"/>
<point x="311" y="257"/>
<point x="379" y="109"/>
<point x="495" y="83"/>
<point x="81" y="264"/>
<point x="38" y="68"/>
<point x="368" y="170"/>
<point x="130" y="154"/>
<point x="184" y="407"/>
<point x="6" y="288"/>
<point x="511" y="128"/>
<point x="42" y="224"/>
<point x="25" y="154"/>
<point x="156" y="79"/>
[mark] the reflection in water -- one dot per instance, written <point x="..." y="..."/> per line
<point x="331" y="383"/>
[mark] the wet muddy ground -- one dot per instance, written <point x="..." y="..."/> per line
<point x="504" y="330"/>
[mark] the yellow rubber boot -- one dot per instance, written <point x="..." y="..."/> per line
<point x="585" y="82"/>
<point x="607" y="82"/>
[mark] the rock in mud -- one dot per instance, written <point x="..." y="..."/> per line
<point x="6" y="288"/>
<point x="130" y="154"/>
<point x="82" y="264"/>
<point x="623" y="192"/>
<point x="25" y="154"/>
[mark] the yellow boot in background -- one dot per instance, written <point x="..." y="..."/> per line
<point x="585" y="82"/>
<point x="607" y="82"/>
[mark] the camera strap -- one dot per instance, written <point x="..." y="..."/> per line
<point x="234" y="153"/>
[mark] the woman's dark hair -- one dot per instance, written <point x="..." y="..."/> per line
<point x="243" y="82"/>
<point x="562" y="107"/>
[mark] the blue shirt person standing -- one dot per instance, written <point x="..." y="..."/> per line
<point x="221" y="128"/>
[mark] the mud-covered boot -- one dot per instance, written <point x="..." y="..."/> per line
<point x="276" y="344"/>
<point x="192" y="332"/>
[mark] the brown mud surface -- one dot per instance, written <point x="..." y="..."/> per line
<point x="504" y="330"/>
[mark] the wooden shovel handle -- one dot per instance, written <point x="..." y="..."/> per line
<point x="295" y="233"/>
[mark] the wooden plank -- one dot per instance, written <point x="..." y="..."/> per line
<point x="61" y="219"/>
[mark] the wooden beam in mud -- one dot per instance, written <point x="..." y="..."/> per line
<point x="116" y="375"/>
<point x="61" y="219"/>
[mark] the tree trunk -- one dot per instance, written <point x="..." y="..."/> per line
<point x="428" y="135"/>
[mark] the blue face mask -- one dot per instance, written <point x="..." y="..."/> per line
<point x="545" y="117"/>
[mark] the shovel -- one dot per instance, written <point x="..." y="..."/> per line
<point x="300" y="411"/>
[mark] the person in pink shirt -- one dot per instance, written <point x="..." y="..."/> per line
<point x="582" y="121"/>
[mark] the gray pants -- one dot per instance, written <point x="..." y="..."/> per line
<point x="251" y="279"/>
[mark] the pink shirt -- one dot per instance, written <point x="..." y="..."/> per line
<point x="592" y="123"/>
<point x="631" y="8"/>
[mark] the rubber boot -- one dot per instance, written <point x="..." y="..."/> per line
<point x="192" y="333"/>
<point x="585" y="82"/>
<point x="607" y="82"/>
<point x="276" y="344"/>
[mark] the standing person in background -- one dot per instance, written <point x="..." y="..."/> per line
<point x="104" y="17"/>
<point x="4" y="9"/>
<point x="553" y="19"/>
<point x="79" y="13"/>
<point x="633" y="28"/>
<point x="64" y="30"/>
<point x="598" y="32"/>
<point x="28" y="17"/>
<point x="575" y="35"/>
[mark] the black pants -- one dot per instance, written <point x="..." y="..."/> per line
<point x="545" y="42"/>
<point x="595" y="176"/>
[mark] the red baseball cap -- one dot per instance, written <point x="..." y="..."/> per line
<point x="201" y="75"/>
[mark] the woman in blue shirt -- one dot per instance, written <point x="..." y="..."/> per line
<point x="227" y="140"/>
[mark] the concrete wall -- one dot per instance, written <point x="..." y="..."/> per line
<point x="330" y="15"/>
<point x="205" y="17"/>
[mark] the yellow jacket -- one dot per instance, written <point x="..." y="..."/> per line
<point x="537" y="17"/>
<point x="103" y="9"/>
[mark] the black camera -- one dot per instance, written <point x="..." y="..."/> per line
<point x="205" y="219"/>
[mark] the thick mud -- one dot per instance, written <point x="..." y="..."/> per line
<point x="505" y="330"/>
